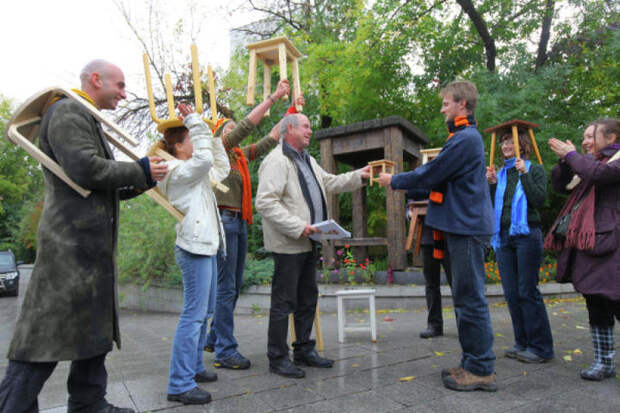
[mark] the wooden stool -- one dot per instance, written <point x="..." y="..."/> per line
<point x="276" y="51"/>
<point x="513" y="126"/>
<point x="317" y="329"/>
<point x="356" y="294"/>
<point x="381" y="166"/>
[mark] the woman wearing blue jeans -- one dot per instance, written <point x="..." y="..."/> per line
<point x="199" y="236"/>
<point x="519" y="190"/>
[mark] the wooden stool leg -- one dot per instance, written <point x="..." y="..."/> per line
<point x="291" y="325"/>
<point x="340" y="321"/>
<point x="252" y="78"/>
<point x="296" y="84"/>
<point x="317" y="329"/>
<point x="267" y="85"/>
<point x="533" y="139"/>
<point x="373" y="318"/>
<point x="282" y="58"/>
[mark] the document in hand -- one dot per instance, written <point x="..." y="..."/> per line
<point x="329" y="230"/>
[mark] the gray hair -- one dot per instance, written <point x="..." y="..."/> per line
<point x="95" y="66"/>
<point x="288" y="120"/>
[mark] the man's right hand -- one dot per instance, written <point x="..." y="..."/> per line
<point x="309" y="230"/>
<point x="158" y="168"/>
<point x="282" y="89"/>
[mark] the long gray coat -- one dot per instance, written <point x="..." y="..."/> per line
<point x="70" y="310"/>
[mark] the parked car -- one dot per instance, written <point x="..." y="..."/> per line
<point x="9" y="274"/>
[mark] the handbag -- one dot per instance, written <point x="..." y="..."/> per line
<point x="561" y="228"/>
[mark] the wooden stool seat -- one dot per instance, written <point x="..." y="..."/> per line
<point x="513" y="127"/>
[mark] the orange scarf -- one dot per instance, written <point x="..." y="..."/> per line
<point x="246" y="200"/>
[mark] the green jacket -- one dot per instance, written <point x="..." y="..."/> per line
<point x="233" y="181"/>
<point x="70" y="310"/>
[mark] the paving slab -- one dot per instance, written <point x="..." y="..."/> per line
<point x="400" y="372"/>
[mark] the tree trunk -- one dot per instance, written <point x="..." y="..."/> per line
<point x="480" y="25"/>
<point x="541" y="57"/>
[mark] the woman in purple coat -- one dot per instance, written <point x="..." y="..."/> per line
<point x="587" y="233"/>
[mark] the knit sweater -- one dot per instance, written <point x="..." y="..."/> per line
<point x="534" y="185"/>
<point x="234" y="182"/>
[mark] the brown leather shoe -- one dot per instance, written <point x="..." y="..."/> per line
<point x="468" y="381"/>
<point x="452" y="371"/>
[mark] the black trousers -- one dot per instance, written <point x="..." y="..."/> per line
<point x="293" y="290"/>
<point x="432" y="279"/>
<point x="23" y="382"/>
<point x="601" y="310"/>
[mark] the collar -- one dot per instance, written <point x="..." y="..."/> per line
<point x="461" y="122"/>
<point x="292" y="153"/>
<point x="85" y="96"/>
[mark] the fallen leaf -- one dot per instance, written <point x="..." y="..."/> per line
<point x="355" y="365"/>
<point x="438" y="353"/>
<point x="524" y="373"/>
<point x="578" y="327"/>
<point x="283" y="386"/>
<point x="388" y="318"/>
<point x="554" y="313"/>
<point x="164" y="339"/>
<point x="577" y="351"/>
<point x="408" y="378"/>
<point x="568" y="358"/>
<point x="260" y="323"/>
<point x="499" y="335"/>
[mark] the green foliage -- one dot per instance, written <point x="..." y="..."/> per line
<point x="257" y="272"/>
<point x="146" y="243"/>
<point x="21" y="185"/>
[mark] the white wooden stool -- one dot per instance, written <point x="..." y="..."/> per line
<point x="356" y="294"/>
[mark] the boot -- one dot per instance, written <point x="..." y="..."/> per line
<point x="604" y="353"/>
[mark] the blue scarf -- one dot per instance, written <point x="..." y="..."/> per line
<point x="518" y="213"/>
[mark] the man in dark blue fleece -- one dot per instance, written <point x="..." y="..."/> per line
<point x="461" y="212"/>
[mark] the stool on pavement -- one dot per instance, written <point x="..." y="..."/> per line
<point x="356" y="294"/>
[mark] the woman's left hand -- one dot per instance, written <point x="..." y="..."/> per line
<point x="520" y="166"/>
<point x="560" y="148"/>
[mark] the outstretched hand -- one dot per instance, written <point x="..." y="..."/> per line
<point x="185" y="110"/>
<point x="282" y="89"/>
<point x="560" y="148"/>
<point x="385" y="180"/>
<point x="158" y="168"/>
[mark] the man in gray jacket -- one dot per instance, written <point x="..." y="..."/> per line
<point x="70" y="310"/>
<point x="291" y="196"/>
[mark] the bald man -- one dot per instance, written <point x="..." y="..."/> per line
<point x="70" y="310"/>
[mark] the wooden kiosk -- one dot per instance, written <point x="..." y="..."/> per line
<point x="392" y="138"/>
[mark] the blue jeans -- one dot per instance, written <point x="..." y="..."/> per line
<point x="229" y="282"/>
<point x="199" y="284"/>
<point x="473" y="322"/>
<point x="518" y="259"/>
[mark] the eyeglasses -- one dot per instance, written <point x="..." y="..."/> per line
<point x="506" y="142"/>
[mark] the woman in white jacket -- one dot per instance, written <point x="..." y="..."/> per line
<point x="199" y="236"/>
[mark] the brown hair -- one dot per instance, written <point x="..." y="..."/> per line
<point x="607" y="126"/>
<point x="462" y="89"/>
<point x="525" y="145"/>
<point x="171" y="137"/>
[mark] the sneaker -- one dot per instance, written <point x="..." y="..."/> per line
<point x="527" y="356"/>
<point x="511" y="353"/>
<point x="287" y="369"/>
<point x="193" y="396"/>
<point x="452" y="371"/>
<point x="206" y="377"/>
<point x="468" y="381"/>
<point x="234" y="362"/>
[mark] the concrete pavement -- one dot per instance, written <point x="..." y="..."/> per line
<point x="366" y="377"/>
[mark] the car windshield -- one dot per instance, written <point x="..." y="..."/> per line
<point x="6" y="260"/>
